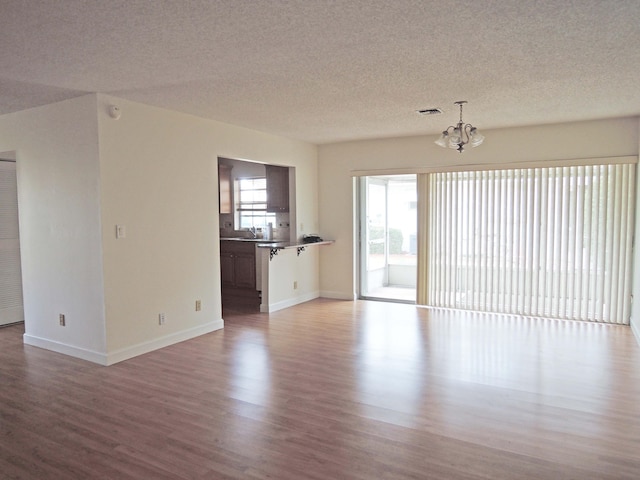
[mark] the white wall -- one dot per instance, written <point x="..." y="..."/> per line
<point x="159" y="178"/>
<point x="81" y="173"/>
<point x="635" y="305"/>
<point x="60" y="233"/>
<point x="603" y="138"/>
<point x="290" y="276"/>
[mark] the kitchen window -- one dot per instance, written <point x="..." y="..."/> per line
<point x="252" y="203"/>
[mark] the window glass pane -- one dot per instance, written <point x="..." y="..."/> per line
<point x="252" y="203"/>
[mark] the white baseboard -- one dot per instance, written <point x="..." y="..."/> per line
<point x="636" y="331"/>
<point x="84" y="354"/>
<point x="124" y="353"/>
<point x="289" y="302"/>
<point x="337" y="295"/>
<point x="150" y="346"/>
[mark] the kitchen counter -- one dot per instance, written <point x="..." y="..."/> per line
<point x="274" y="247"/>
<point x="275" y="244"/>
<point x="244" y="239"/>
<point x="281" y="245"/>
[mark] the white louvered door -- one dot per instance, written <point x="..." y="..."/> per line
<point x="11" y="308"/>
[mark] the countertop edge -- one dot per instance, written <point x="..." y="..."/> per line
<point x="285" y="245"/>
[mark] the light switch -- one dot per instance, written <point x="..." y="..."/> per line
<point x="121" y="231"/>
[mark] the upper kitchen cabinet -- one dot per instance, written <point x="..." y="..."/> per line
<point x="277" y="188"/>
<point x="225" y="190"/>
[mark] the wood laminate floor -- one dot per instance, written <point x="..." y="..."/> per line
<point x="333" y="390"/>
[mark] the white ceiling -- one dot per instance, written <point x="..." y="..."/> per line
<point x="330" y="70"/>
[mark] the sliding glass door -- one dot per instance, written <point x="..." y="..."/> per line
<point x="552" y="242"/>
<point x="387" y="237"/>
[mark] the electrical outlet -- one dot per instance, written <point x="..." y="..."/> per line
<point x="63" y="321"/>
<point x="295" y="285"/>
<point x="198" y="305"/>
<point x="161" y="319"/>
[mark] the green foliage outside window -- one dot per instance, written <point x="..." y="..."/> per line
<point x="395" y="241"/>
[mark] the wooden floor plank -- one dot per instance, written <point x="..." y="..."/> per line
<point x="334" y="389"/>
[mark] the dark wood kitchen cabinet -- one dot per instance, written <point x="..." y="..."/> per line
<point x="277" y="188"/>
<point x="225" y="189"/>
<point x="238" y="264"/>
<point x="238" y="273"/>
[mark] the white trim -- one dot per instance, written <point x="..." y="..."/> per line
<point x="124" y="353"/>
<point x="337" y="295"/>
<point x="72" y="351"/>
<point x="636" y="332"/>
<point x="499" y="166"/>
<point x="290" y="302"/>
<point x="177" y="337"/>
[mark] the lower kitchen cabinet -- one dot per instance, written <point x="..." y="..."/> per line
<point x="238" y="273"/>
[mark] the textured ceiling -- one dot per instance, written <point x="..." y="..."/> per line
<point x="330" y="70"/>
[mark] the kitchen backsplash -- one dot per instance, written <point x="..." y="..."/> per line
<point x="281" y="227"/>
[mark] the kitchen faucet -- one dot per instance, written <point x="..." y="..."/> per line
<point x="254" y="231"/>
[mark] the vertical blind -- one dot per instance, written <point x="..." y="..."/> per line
<point x="11" y="309"/>
<point x="553" y="242"/>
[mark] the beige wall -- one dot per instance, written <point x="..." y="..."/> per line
<point x="291" y="277"/>
<point x="60" y="233"/>
<point x="159" y="178"/>
<point x="635" y="306"/>
<point x="81" y="173"/>
<point x="603" y="138"/>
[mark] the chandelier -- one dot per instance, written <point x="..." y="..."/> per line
<point x="461" y="134"/>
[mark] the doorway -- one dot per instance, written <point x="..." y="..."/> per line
<point x="388" y="237"/>
<point x="11" y="306"/>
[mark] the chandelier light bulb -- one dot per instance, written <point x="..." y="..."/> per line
<point x="475" y="137"/>
<point x="442" y="141"/>
<point x="455" y="139"/>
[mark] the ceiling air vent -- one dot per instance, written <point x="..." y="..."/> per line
<point x="430" y="111"/>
